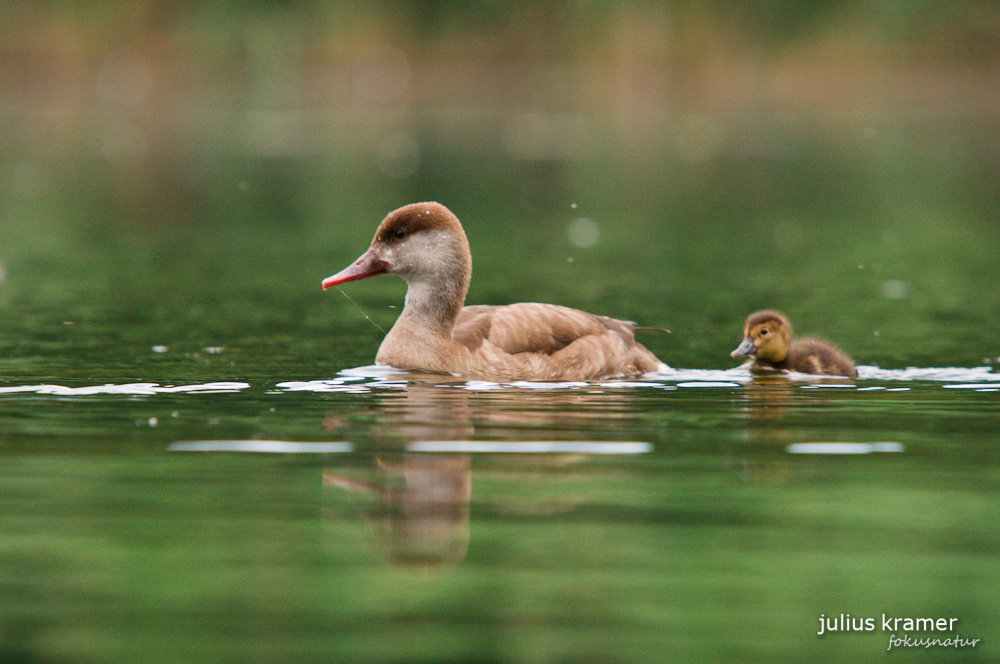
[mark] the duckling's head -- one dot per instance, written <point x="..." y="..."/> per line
<point x="765" y="336"/>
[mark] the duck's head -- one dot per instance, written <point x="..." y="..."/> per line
<point x="765" y="335"/>
<point x="422" y="242"/>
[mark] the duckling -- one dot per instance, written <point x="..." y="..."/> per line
<point x="767" y="336"/>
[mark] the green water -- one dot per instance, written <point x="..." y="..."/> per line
<point x="718" y="544"/>
<point x="160" y="264"/>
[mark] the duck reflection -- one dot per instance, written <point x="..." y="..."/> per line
<point x="421" y="509"/>
<point x="424" y="411"/>
<point x="429" y="407"/>
<point x="421" y="515"/>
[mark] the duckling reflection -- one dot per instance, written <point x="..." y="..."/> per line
<point x="767" y="402"/>
<point x="767" y="397"/>
<point x="770" y="403"/>
<point x="767" y="336"/>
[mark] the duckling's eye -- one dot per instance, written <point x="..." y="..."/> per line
<point x="764" y="332"/>
<point x="399" y="234"/>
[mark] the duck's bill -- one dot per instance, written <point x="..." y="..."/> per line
<point x="367" y="265"/>
<point x="745" y="348"/>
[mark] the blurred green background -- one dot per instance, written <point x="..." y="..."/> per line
<point x="185" y="173"/>
<point x="177" y="177"/>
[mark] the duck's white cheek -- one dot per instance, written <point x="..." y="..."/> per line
<point x="389" y="255"/>
<point x="424" y="253"/>
<point x="399" y="259"/>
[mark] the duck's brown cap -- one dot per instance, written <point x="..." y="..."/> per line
<point x="415" y="217"/>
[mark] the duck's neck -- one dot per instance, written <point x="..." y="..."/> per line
<point x="437" y="284"/>
<point x="433" y="307"/>
<point x="432" y="304"/>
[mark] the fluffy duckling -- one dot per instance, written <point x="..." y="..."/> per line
<point x="767" y="336"/>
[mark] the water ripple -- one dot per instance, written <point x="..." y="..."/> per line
<point x="128" y="388"/>
<point x="360" y="380"/>
<point x="944" y="374"/>
<point x="374" y="377"/>
<point x="844" y="448"/>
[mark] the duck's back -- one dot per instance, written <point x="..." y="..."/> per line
<point x="815" y="356"/>
<point x="549" y="342"/>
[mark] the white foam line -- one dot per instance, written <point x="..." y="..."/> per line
<point x="481" y="386"/>
<point x="259" y="447"/>
<point x="128" y="388"/>
<point x="947" y="374"/>
<point x="529" y="447"/>
<point x="376" y="376"/>
<point x="228" y="386"/>
<point x="972" y="386"/>
<point x="323" y="387"/>
<point x="378" y="371"/>
<point x="843" y="448"/>
<point x="823" y="385"/>
<point x="538" y="385"/>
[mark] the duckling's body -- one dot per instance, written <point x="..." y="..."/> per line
<point x="767" y="336"/>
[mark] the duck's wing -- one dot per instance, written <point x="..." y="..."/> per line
<point x="530" y="327"/>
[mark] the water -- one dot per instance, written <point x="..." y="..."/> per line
<point x="385" y="516"/>
<point x="199" y="464"/>
<point x="191" y="470"/>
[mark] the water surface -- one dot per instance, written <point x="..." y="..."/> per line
<point x="385" y="516"/>
<point x="197" y="463"/>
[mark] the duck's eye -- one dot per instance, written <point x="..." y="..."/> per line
<point x="399" y="234"/>
<point x="764" y="332"/>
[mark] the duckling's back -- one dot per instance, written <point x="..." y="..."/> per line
<point x="815" y="356"/>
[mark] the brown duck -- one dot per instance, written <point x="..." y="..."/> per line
<point x="767" y="336"/>
<point x="424" y="243"/>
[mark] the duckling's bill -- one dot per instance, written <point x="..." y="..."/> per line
<point x="747" y="347"/>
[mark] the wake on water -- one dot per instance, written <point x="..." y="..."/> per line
<point x="374" y="377"/>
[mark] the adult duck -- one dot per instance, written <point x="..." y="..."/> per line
<point x="424" y="243"/>
<point x="767" y="337"/>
